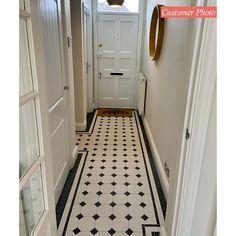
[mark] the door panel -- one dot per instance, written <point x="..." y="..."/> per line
<point x="51" y="35"/>
<point x="58" y="153"/>
<point x="117" y="44"/>
<point x="56" y="94"/>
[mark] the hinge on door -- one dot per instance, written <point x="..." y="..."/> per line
<point x="187" y="134"/>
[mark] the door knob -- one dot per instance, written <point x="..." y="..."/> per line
<point x="66" y="87"/>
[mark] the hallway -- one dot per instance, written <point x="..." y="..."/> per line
<point x="138" y="171"/>
<point x="113" y="192"/>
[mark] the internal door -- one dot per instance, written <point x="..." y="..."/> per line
<point x="36" y="199"/>
<point x="57" y="92"/>
<point x="117" y="51"/>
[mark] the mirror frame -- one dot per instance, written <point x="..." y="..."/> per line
<point x="156" y="45"/>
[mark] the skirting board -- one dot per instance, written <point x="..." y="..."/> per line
<point x="160" y="169"/>
<point x="81" y="126"/>
<point x="61" y="181"/>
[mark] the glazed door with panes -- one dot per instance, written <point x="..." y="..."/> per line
<point x="36" y="200"/>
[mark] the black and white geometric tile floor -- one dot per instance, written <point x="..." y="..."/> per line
<point x="113" y="192"/>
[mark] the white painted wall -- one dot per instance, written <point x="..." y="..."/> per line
<point x="79" y="83"/>
<point x="167" y="87"/>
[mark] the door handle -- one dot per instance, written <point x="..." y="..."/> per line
<point x="66" y="87"/>
<point x="100" y="75"/>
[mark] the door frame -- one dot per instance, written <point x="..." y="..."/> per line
<point x="67" y="42"/>
<point x="88" y="66"/>
<point x="200" y="96"/>
<point x="95" y="48"/>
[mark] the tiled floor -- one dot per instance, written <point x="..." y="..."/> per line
<point x="114" y="191"/>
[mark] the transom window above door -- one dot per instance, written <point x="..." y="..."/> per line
<point x="129" y="6"/>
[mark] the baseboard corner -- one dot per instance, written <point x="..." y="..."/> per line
<point x="81" y="126"/>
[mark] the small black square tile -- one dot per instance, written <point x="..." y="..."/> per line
<point x="142" y="204"/>
<point x="97" y="204"/>
<point x="99" y="193"/>
<point x="112" y="204"/>
<point x="112" y="217"/>
<point x="111" y="231"/>
<point x="127" y="204"/>
<point x="82" y="204"/>
<point x="76" y="230"/>
<point x="84" y="193"/>
<point x="141" y="194"/>
<point x="95" y="217"/>
<point x="80" y="216"/>
<point x="128" y="217"/>
<point x="129" y="231"/>
<point x="144" y="217"/>
<point x="94" y="231"/>
<point x="113" y="193"/>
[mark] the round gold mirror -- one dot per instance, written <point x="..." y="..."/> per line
<point x="156" y="33"/>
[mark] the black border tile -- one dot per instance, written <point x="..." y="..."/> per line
<point x="61" y="203"/>
<point x="154" y="170"/>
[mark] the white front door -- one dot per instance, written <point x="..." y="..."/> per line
<point x="57" y="95"/>
<point x="117" y="52"/>
<point x="36" y="198"/>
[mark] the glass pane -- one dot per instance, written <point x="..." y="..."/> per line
<point x="26" y="84"/>
<point x="128" y="6"/>
<point x="31" y="204"/>
<point x="29" y="145"/>
<point x="22" y="4"/>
